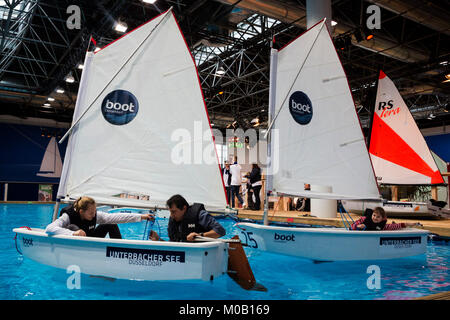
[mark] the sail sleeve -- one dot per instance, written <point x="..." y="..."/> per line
<point x="320" y="141"/>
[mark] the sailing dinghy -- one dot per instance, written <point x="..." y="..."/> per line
<point x="399" y="153"/>
<point x="134" y="95"/>
<point x="51" y="165"/>
<point x="320" y="143"/>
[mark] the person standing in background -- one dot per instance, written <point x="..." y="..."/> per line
<point x="236" y="182"/>
<point x="256" y="184"/>
<point x="227" y="180"/>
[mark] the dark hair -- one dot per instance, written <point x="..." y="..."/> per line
<point x="255" y="165"/>
<point x="178" y="201"/>
<point x="381" y="211"/>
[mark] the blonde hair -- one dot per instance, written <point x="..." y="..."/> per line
<point x="381" y="211"/>
<point x="83" y="203"/>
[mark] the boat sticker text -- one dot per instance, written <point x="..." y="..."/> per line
<point x="145" y="257"/>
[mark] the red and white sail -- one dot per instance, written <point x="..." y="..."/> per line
<point x="398" y="150"/>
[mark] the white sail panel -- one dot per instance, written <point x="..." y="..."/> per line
<point x="51" y="165"/>
<point x="127" y="142"/>
<point x="320" y="138"/>
<point x="397" y="173"/>
<point x="396" y="141"/>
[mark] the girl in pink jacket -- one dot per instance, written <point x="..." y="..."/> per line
<point x="378" y="221"/>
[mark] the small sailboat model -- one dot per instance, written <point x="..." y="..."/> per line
<point x="138" y="97"/>
<point x="399" y="153"/>
<point x="320" y="142"/>
<point x="51" y="165"/>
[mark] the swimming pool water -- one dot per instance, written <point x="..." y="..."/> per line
<point x="286" y="278"/>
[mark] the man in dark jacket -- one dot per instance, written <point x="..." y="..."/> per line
<point x="187" y="222"/>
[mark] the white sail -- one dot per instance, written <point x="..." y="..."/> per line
<point x="320" y="137"/>
<point x="51" y="164"/>
<point x="398" y="150"/>
<point x="128" y="142"/>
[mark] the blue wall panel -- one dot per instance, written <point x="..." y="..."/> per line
<point x="22" y="149"/>
<point x="440" y="145"/>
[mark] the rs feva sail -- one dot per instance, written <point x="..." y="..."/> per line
<point x="51" y="164"/>
<point x="398" y="150"/>
<point x="134" y="143"/>
<point x="320" y="138"/>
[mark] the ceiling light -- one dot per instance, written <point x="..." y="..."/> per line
<point x="333" y="23"/>
<point x="51" y="99"/>
<point x="120" y="27"/>
<point x="149" y="1"/>
<point x="447" y="76"/>
<point x="69" y="78"/>
<point x="59" y="90"/>
<point x="220" y="71"/>
<point x="46" y="105"/>
<point x="80" y="66"/>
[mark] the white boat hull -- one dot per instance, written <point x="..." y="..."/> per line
<point x="125" y="259"/>
<point x="334" y="244"/>
<point x="392" y="208"/>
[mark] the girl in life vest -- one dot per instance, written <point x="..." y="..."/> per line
<point x="378" y="221"/>
<point x="82" y="219"/>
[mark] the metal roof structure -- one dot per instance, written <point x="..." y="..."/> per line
<point x="41" y="57"/>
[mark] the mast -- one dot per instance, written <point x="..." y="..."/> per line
<point x="373" y="100"/>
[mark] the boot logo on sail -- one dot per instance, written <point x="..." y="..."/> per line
<point x="120" y="107"/>
<point x="300" y="107"/>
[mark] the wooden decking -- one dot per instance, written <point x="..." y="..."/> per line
<point x="440" y="227"/>
<point x="437" y="296"/>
